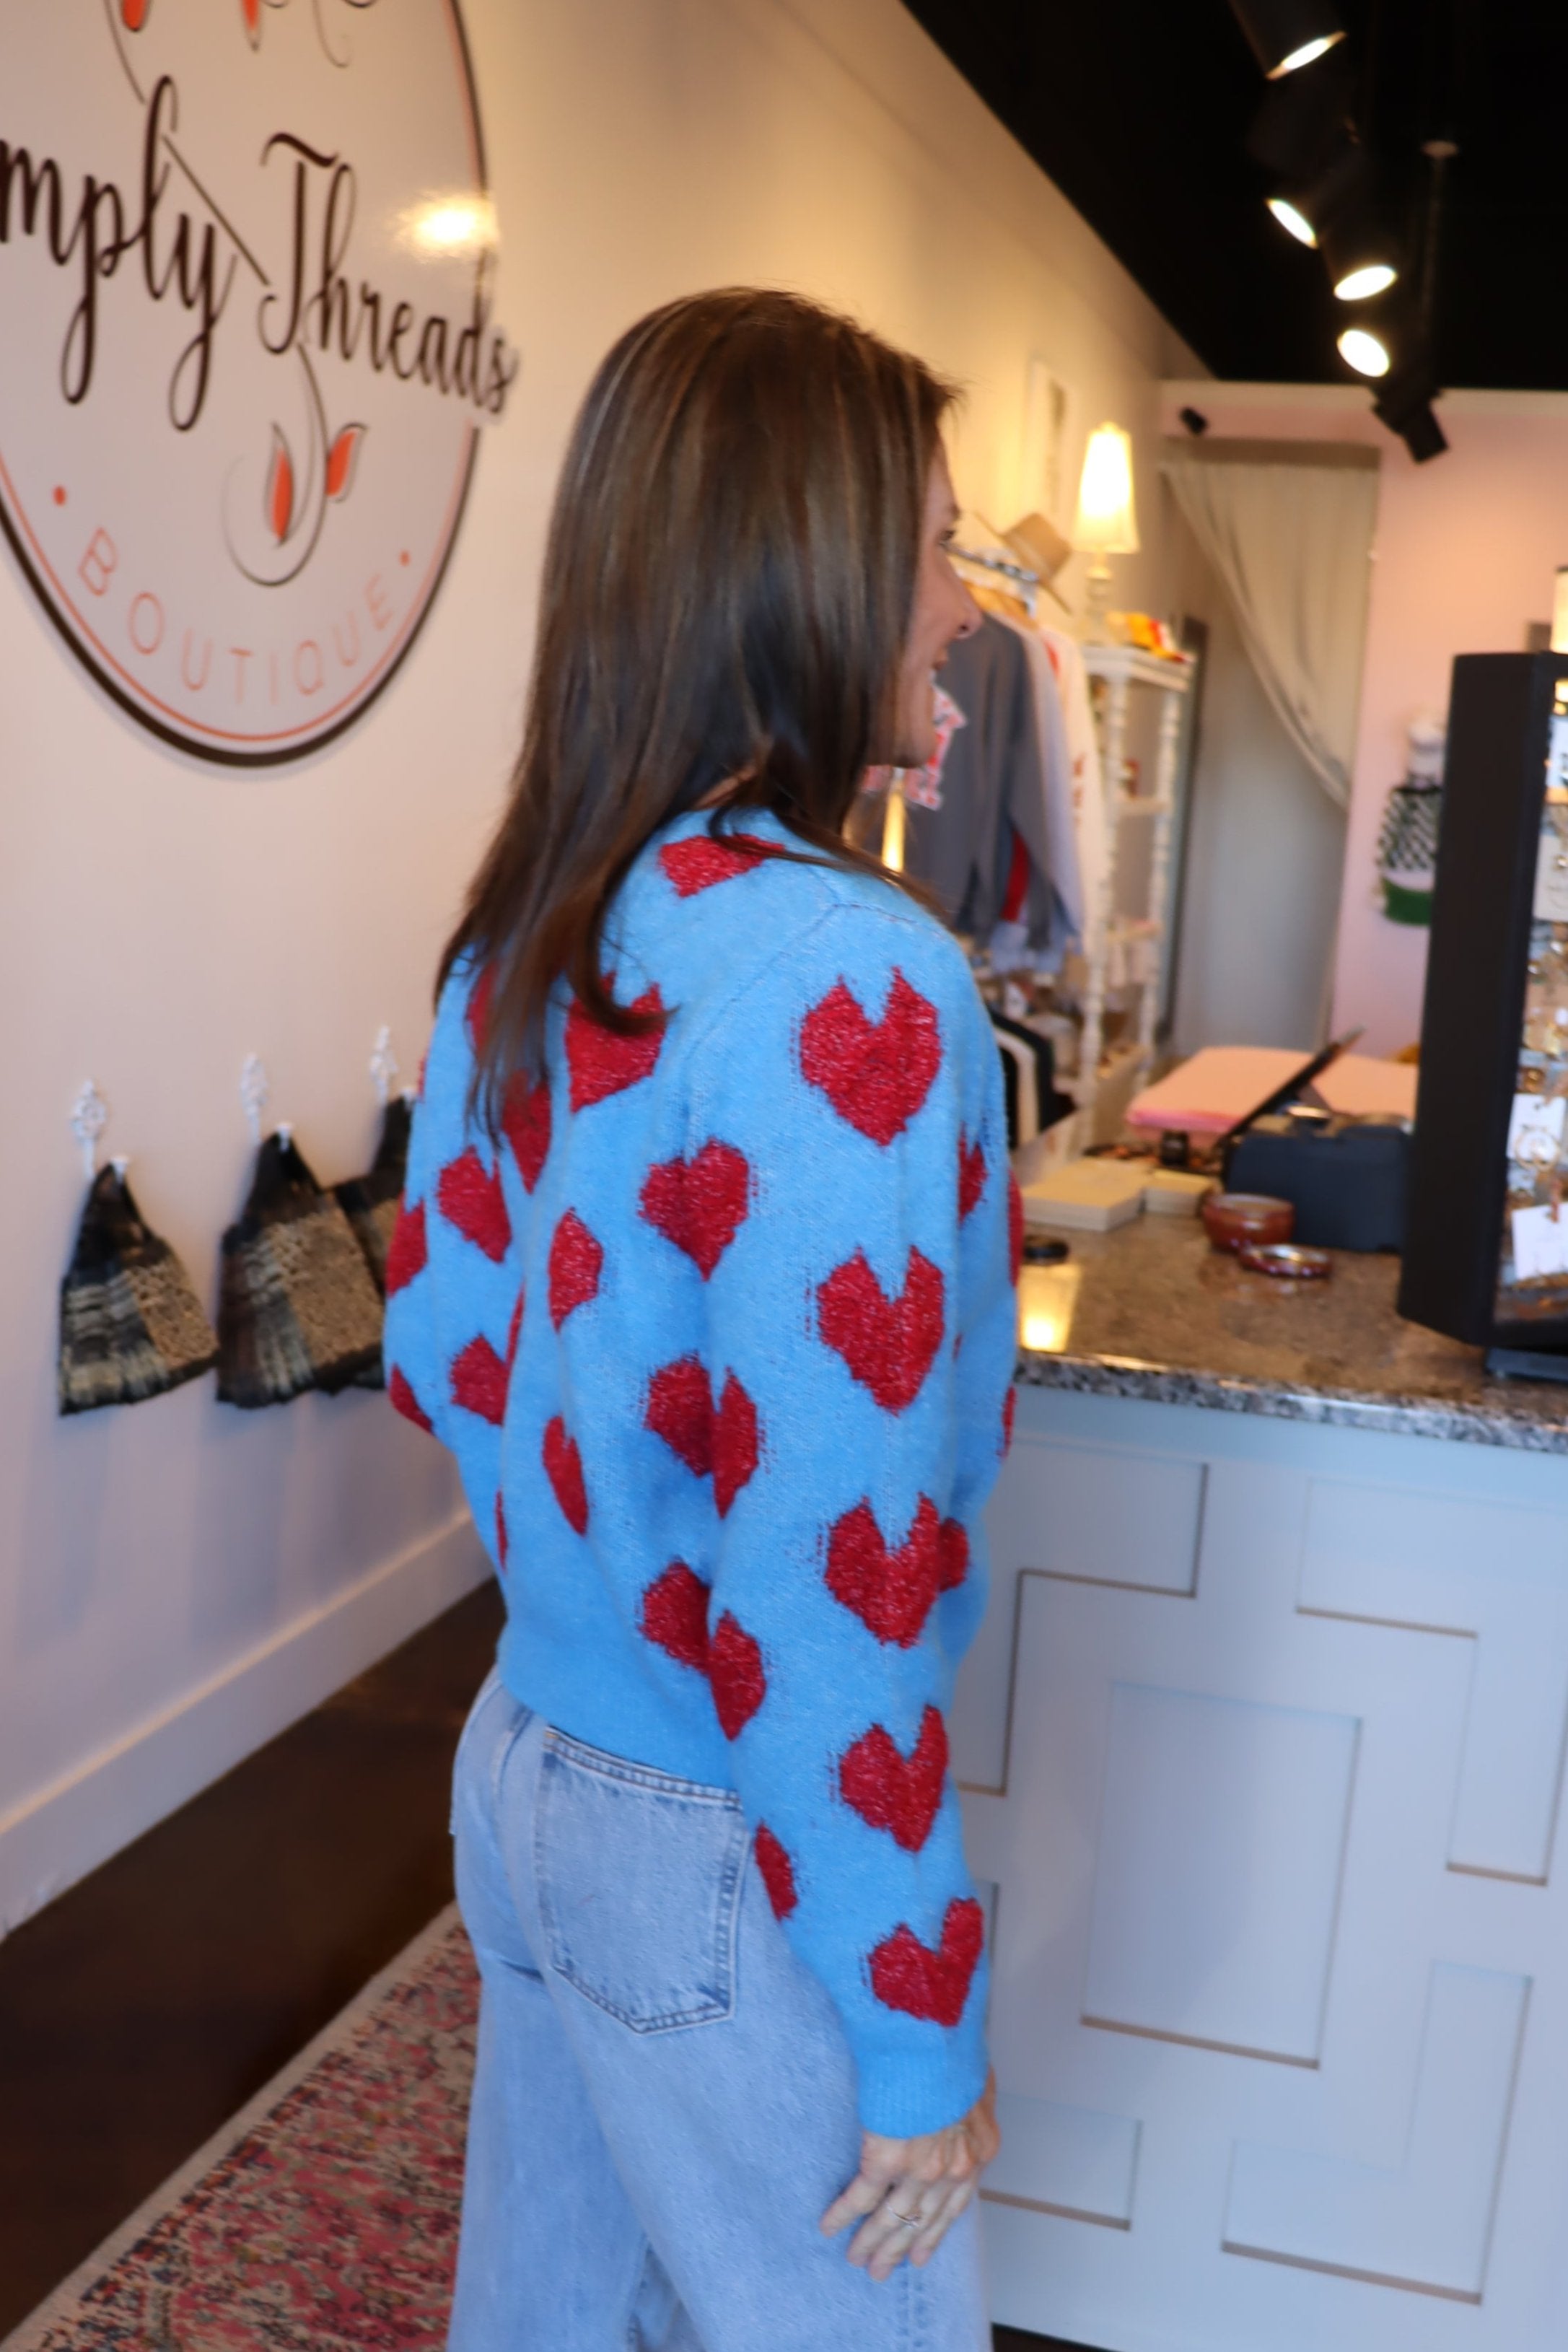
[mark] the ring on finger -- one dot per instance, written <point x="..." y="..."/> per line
<point x="908" y="2221"/>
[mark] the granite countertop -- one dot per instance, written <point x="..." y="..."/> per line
<point x="1152" y="1311"/>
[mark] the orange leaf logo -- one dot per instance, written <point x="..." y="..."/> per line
<point x="251" y="10"/>
<point x="343" y="461"/>
<point x="280" y="488"/>
<point x="133" y="13"/>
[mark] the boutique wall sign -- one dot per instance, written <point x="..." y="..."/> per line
<point x="246" y="346"/>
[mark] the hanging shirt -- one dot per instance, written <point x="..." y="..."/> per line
<point x="990" y="787"/>
<point x="1091" y="817"/>
<point x="1059" y="827"/>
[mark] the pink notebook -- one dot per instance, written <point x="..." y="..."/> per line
<point x="1223" y="1083"/>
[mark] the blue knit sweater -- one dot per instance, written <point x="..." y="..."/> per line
<point x="721" y="1331"/>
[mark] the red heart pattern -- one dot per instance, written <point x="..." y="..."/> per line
<point x="901" y="1794"/>
<point x="469" y="1196"/>
<point x="501" y="1533"/>
<point x="1010" y="1406"/>
<point x="700" y="1203"/>
<point x="875" y="1075"/>
<point x="778" y="1872"/>
<point x="952" y="1556"/>
<point x="515" y="1332"/>
<point x="680" y="1410"/>
<point x="735" y="1670"/>
<point x="736" y="1444"/>
<point x="891" y="1592"/>
<point x="674" y="1615"/>
<point x="410" y="1251"/>
<point x="563" y="1468"/>
<point x="479" y="1382"/>
<point x="526" y="1124"/>
<point x="576" y="1263"/>
<point x="602" y="1064"/>
<point x="908" y="1976"/>
<point x="889" y="1344"/>
<point x="697" y="864"/>
<point x="405" y="1401"/>
<point x="479" y="1004"/>
<point x="1015" y="1226"/>
<point x="971" y="1176"/>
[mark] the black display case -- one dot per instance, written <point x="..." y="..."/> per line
<point x="1486" y="1253"/>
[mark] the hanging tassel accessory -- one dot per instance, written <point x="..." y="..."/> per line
<point x="297" y="1306"/>
<point x="132" y="1326"/>
<point x="371" y="1202"/>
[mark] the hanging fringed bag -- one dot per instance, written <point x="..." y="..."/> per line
<point x="371" y="1203"/>
<point x="130" y="1323"/>
<point x="297" y="1308"/>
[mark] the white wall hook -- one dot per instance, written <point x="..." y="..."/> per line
<point x="121" y="1164"/>
<point x="384" y="1066"/>
<point x="89" y="1117"/>
<point x="253" y="1091"/>
<point x="286" y="1133"/>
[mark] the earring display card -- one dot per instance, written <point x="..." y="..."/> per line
<point x="1532" y="1262"/>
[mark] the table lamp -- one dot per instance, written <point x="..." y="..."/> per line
<point x="1106" y="524"/>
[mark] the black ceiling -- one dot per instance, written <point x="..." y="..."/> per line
<point x="1139" y="111"/>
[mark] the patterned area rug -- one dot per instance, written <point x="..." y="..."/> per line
<point x="324" y="2216"/>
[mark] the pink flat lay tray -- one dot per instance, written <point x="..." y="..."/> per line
<point x="1223" y="1083"/>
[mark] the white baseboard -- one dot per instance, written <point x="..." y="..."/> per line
<point x="57" y="1835"/>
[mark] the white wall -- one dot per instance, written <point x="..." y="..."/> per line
<point x="178" y="1580"/>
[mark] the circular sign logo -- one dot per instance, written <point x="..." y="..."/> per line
<point x="246" y="346"/>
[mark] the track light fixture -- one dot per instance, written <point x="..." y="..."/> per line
<point x="1293" y="220"/>
<point x="1364" y="350"/>
<point x="1287" y="35"/>
<point x="1326" y="193"/>
<point x="1337" y="211"/>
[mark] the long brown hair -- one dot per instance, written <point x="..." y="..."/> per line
<point x="729" y="583"/>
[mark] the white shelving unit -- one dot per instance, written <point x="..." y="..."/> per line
<point x="1106" y="1083"/>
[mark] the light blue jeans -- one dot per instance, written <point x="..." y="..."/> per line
<point x="665" y="2103"/>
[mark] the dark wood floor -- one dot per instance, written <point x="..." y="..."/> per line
<point x="146" y="2004"/>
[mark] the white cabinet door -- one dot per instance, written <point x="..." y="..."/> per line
<point x="1262" y="1743"/>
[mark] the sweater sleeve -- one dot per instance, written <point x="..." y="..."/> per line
<point x="860" y="1347"/>
<point x="454" y="1279"/>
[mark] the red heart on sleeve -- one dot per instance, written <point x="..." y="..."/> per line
<point x="877" y="1074"/>
<point x="889" y="1344"/>
<point x="890" y="1591"/>
<point x="902" y="1794"/>
<point x="907" y="1975"/>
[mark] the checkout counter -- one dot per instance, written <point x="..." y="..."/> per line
<point x="1262" y="1747"/>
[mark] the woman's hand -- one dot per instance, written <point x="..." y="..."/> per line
<point x="911" y="2192"/>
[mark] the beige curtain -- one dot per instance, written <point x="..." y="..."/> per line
<point x="1288" y="527"/>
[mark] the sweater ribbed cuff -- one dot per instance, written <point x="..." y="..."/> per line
<point x="903" y="2094"/>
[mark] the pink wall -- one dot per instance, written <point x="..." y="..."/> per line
<point x="1464" y="558"/>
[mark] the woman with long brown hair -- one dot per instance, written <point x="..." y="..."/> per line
<point x="704" y="1274"/>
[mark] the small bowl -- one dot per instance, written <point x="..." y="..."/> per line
<point x="1286" y="1261"/>
<point x="1235" y="1219"/>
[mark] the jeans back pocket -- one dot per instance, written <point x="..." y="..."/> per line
<point x="639" y="1881"/>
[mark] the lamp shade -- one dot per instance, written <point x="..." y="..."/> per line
<point x="1106" y="523"/>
